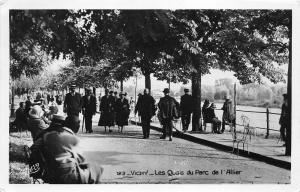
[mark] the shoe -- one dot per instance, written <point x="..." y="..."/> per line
<point x="163" y="137"/>
<point x="170" y="139"/>
<point x="91" y="131"/>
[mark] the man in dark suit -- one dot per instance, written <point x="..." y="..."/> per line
<point x="72" y="106"/>
<point x="186" y="108"/>
<point x="146" y="108"/>
<point x="88" y="109"/>
<point x="168" y="112"/>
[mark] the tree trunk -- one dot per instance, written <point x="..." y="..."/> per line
<point x="147" y="81"/>
<point x="12" y="105"/>
<point x="196" y="94"/>
<point x="121" y="85"/>
<point x="94" y="91"/>
<point x="289" y="93"/>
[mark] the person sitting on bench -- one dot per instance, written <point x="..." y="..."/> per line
<point x="204" y="113"/>
<point x="211" y="117"/>
<point x="35" y="122"/>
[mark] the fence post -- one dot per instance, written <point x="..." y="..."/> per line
<point x="268" y="127"/>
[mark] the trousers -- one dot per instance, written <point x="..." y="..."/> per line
<point x="186" y="119"/>
<point x="146" y="125"/>
<point x="167" y="127"/>
<point x="88" y="122"/>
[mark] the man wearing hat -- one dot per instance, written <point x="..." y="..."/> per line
<point x="283" y="121"/>
<point x="72" y="105"/>
<point x="168" y="111"/>
<point x="228" y="114"/>
<point x="146" y="108"/>
<point x="88" y="109"/>
<point x="186" y="108"/>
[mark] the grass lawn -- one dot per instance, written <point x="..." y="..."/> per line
<point x="18" y="169"/>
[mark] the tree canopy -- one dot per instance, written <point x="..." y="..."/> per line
<point x="172" y="44"/>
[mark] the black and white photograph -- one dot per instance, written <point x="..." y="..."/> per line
<point x="150" y="96"/>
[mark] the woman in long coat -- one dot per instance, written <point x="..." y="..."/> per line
<point x="123" y="111"/>
<point x="107" y="111"/>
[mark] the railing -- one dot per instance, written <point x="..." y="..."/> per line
<point x="267" y="128"/>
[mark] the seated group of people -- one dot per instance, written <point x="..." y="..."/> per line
<point x="55" y="138"/>
<point x="209" y="116"/>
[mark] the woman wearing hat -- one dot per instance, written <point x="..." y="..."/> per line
<point x="65" y="165"/>
<point x="35" y="122"/>
<point x="122" y="111"/>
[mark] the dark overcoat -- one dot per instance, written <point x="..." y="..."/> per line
<point x="73" y="104"/>
<point x="107" y="108"/>
<point x="186" y="104"/>
<point x="89" y="105"/>
<point x="123" y="111"/>
<point x="168" y="107"/>
<point x="145" y="106"/>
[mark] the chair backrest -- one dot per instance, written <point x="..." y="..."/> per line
<point x="246" y="125"/>
<point x="245" y="120"/>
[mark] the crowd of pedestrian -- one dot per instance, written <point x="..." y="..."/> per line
<point x="56" y="134"/>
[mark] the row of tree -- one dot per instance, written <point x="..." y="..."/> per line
<point x="108" y="46"/>
<point x="250" y="94"/>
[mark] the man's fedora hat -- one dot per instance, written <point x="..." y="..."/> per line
<point x="166" y="90"/>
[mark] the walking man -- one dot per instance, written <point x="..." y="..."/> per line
<point x="88" y="109"/>
<point x="146" y="109"/>
<point x="72" y="106"/>
<point x="168" y="111"/>
<point x="186" y="108"/>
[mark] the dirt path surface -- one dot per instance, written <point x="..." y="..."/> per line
<point x="127" y="158"/>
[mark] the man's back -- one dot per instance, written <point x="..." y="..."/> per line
<point x="186" y="103"/>
<point x="167" y="107"/>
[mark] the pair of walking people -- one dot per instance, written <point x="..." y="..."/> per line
<point x="114" y="110"/>
<point x="168" y="110"/>
<point x="74" y="104"/>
